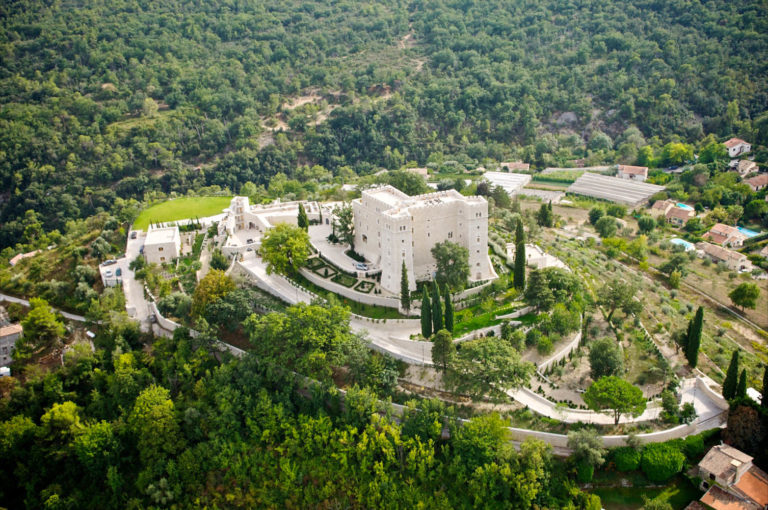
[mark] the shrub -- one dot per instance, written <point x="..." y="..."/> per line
<point x="626" y="458"/>
<point x="661" y="461"/>
<point x="585" y="471"/>
<point x="693" y="446"/>
<point x="544" y="345"/>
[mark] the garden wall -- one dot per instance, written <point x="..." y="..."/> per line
<point x="714" y="396"/>
<point x="479" y="333"/>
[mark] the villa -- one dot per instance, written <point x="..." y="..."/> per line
<point x="759" y="182"/>
<point x="245" y="224"/>
<point x="679" y="216"/>
<point x="635" y="173"/>
<point x="392" y="227"/>
<point x="162" y="244"/>
<point x="725" y="235"/>
<point x="9" y="334"/>
<point x="661" y="208"/>
<point x="733" y="260"/>
<point x="737" y="147"/>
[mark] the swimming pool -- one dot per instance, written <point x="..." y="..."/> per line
<point x="684" y="206"/>
<point x="682" y="242"/>
<point x="747" y="232"/>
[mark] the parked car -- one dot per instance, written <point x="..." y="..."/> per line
<point x="118" y="272"/>
<point x="361" y="267"/>
<point x="249" y="241"/>
<point x="134" y="234"/>
<point x="108" y="273"/>
<point x="141" y="250"/>
<point x="109" y="262"/>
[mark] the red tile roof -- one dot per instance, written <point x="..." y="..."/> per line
<point x="733" y="142"/>
<point x="718" y="499"/>
<point x="633" y="170"/>
<point x="760" y="180"/>
<point x="754" y="485"/>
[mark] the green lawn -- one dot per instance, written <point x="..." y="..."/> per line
<point x="678" y="493"/>
<point x="181" y="209"/>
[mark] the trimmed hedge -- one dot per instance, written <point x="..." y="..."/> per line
<point x="585" y="471"/>
<point x="661" y="461"/>
<point x="627" y="458"/>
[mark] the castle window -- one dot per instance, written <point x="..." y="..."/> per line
<point x="160" y="249"/>
<point x="365" y="238"/>
<point x="450" y="235"/>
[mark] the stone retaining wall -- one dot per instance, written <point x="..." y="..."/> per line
<point x="360" y="297"/>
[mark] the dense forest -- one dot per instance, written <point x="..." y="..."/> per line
<point x="173" y="423"/>
<point x="126" y="99"/>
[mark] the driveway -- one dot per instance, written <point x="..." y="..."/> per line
<point x="135" y="302"/>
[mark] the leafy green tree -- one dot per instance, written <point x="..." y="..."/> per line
<point x="605" y="358"/>
<point x="538" y="293"/>
<point x="675" y="277"/>
<point x="545" y="217"/>
<point x="443" y="349"/>
<point x="646" y="224"/>
<point x="657" y="503"/>
<point x="153" y="423"/>
<point x="713" y="152"/>
<point x="448" y="311"/>
<point x="437" y="308"/>
<point x="741" y="389"/>
<point x="42" y="330"/>
<point x="214" y="286"/>
<point x="308" y="339"/>
<point x="487" y="367"/>
<point x="302" y="220"/>
<point x="606" y="226"/>
<point x="676" y="153"/>
<point x="587" y="446"/>
<point x="615" y="395"/>
<point x="595" y="214"/>
<point x="694" y="338"/>
<point x="452" y="262"/>
<point x="619" y="294"/>
<point x="284" y="248"/>
<point x="219" y="260"/>
<point x="616" y="210"/>
<point x="405" y="292"/>
<point x="730" y="384"/>
<point x="344" y="224"/>
<point x="426" y="315"/>
<point x="745" y="295"/>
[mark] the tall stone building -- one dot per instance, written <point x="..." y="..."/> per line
<point x="391" y="227"/>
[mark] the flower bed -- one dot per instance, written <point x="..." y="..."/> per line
<point x="345" y="280"/>
<point x="325" y="271"/>
<point x="364" y="286"/>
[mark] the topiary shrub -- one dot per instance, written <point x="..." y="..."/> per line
<point x="585" y="471"/>
<point x="661" y="461"/>
<point x="626" y="458"/>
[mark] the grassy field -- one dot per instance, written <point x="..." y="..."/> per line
<point x="678" y="493"/>
<point x="180" y="209"/>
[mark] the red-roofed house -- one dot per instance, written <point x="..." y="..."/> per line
<point x="736" y="147"/>
<point x="759" y="182"/>
<point x="8" y="336"/>
<point x="635" y="173"/>
<point x="732" y="481"/>
<point x="746" y="167"/>
<point x="725" y="235"/>
<point x="679" y="216"/>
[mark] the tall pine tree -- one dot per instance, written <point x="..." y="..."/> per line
<point x="437" y="308"/>
<point x="405" y="292"/>
<point x="448" y="311"/>
<point x="303" y="220"/>
<point x="731" y="377"/>
<point x="426" y="315"/>
<point x="694" y="338"/>
<point x="518" y="274"/>
<point x="741" y="389"/>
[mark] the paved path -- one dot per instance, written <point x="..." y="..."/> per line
<point x="135" y="302"/>
<point x="390" y="336"/>
<point x="24" y="302"/>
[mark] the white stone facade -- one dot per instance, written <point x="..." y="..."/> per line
<point x="162" y="245"/>
<point x="391" y="227"/>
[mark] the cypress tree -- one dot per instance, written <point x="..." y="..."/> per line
<point x="426" y="315"/>
<point x="694" y="338"/>
<point x="519" y="270"/>
<point x="519" y="232"/>
<point x="741" y="390"/>
<point x="405" y="292"/>
<point x="448" y="311"/>
<point x="731" y="377"/>
<point x="764" y="401"/>
<point x="303" y="220"/>
<point x="437" y="309"/>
